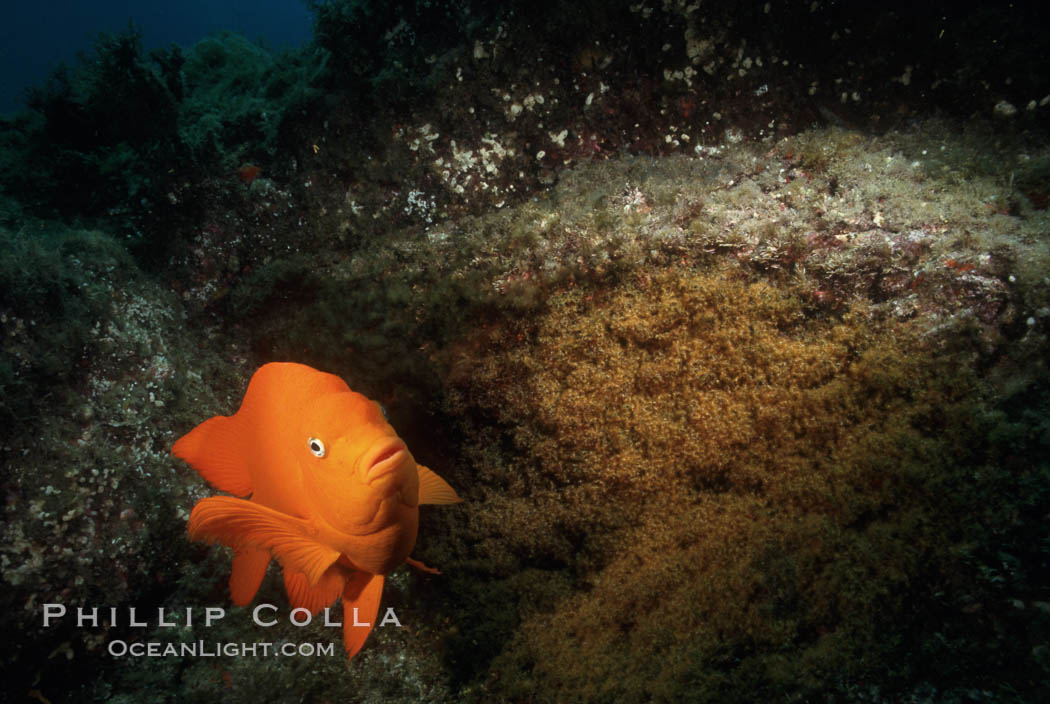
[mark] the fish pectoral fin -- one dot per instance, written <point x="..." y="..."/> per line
<point x="215" y="448"/>
<point x="361" y="597"/>
<point x="421" y="567"/>
<point x="433" y="489"/>
<point x="239" y="523"/>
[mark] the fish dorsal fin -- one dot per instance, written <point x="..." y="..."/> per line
<point x="435" y="490"/>
<point x="238" y="523"/>
<point x="279" y="390"/>
<point x="249" y="568"/>
<point x="362" y="592"/>
<point x="215" y="448"/>
<point x="302" y="596"/>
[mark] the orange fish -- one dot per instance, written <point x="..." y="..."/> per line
<point x="248" y="173"/>
<point x="334" y="493"/>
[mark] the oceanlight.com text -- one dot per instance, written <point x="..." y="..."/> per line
<point x="203" y="649"/>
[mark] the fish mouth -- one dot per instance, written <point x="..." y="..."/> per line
<point x="384" y="457"/>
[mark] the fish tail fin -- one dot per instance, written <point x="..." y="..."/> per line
<point x="313" y="598"/>
<point x="361" y="597"/>
<point x="433" y="489"/>
<point x="240" y="523"/>
<point x="215" y="449"/>
<point x="249" y="568"/>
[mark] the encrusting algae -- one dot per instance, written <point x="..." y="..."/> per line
<point x="729" y="476"/>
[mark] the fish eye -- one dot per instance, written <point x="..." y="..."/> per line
<point x="316" y="447"/>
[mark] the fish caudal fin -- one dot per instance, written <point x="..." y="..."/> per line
<point x="215" y="449"/>
<point x="361" y="597"/>
<point x="249" y="568"/>
<point x="435" y="490"/>
<point x="314" y="598"/>
<point x="239" y="523"/>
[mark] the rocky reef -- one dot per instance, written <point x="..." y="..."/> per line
<point x="734" y="344"/>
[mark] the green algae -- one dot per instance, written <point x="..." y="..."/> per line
<point x="236" y="97"/>
<point x="124" y="138"/>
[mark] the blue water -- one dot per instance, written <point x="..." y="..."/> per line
<point x="36" y="36"/>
